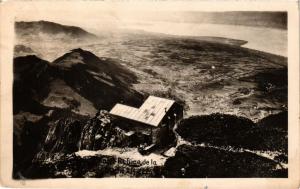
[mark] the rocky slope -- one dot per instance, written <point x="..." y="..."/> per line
<point x="56" y="155"/>
<point x="221" y="146"/>
<point x="78" y="80"/>
<point x="73" y="87"/>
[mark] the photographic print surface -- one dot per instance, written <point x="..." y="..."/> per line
<point x="151" y="94"/>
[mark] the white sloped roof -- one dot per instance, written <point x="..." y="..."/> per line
<point x="151" y="112"/>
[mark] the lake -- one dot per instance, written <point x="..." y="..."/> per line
<point x="269" y="40"/>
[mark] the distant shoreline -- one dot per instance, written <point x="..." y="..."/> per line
<point x="223" y="40"/>
<point x="268" y="40"/>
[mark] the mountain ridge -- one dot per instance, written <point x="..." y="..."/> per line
<point x="51" y="28"/>
<point x="75" y="76"/>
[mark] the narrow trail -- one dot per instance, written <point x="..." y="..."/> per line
<point x="179" y="139"/>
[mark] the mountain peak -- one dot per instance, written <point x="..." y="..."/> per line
<point x="79" y="50"/>
<point x="76" y="56"/>
<point x="83" y="58"/>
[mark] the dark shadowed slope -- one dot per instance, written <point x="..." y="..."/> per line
<point x="93" y="63"/>
<point x="31" y="83"/>
<point x="76" y="85"/>
<point x="78" y="80"/>
<point x="103" y="82"/>
<point x="206" y="162"/>
<point x="224" y="130"/>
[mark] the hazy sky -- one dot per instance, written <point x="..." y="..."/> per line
<point x="94" y="19"/>
<point x="264" y="31"/>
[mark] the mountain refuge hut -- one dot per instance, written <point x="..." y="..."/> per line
<point x="156" y="118"/>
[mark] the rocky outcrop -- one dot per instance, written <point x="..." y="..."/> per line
<point x="54" y="131"/>
<point x="96" y="133"/>
<point x="74" y="166"/>
<point x="101" y="132"/>
<point x="68" y="135"/>
<point x="58" y="156"/>
<point x="63" y="136"/>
